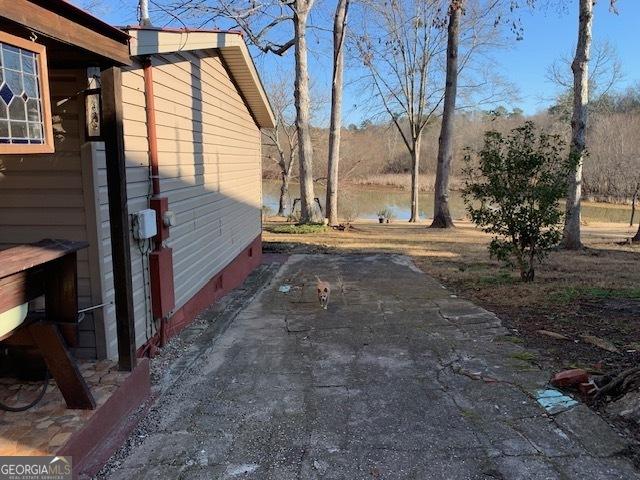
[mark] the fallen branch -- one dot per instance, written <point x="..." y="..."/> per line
<point x="619" y="384"/>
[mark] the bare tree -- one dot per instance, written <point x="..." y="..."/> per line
<point x="605" y="70"/>
<point x="485" y="24"/>
<point x="400" y="49"/>
<point x="441" y="213"/>
<point x="309" y="209"/>
<point x="339" y="27"/>
<point x="580" y="69"/>
<point x="95" y="7"/>
<point x="281" y="142"/>
<point x="404" y="47"/>
<point x="581" y="83"/>
<point x="605" y="73"/>
<point x="636" y="237"/>
<point x="265" y="23"/>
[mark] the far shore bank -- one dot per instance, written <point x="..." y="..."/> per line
<point x="401" y="183"/>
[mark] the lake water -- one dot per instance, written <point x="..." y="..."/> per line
<point x="369" y="200"/>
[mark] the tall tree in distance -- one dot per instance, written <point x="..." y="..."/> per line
<point x="281" y="142"/>
<point x="441" y="213"/>
<point x="267" y="24"/>
<point x="399" y="46"/>
<point x="580" y="68"/>
<point x="406" y="47"/>
<point x="339" y="31"/>
<point x="309" y="209"/>
<point x="571" y="239"/>
<point x="605" y="72"/>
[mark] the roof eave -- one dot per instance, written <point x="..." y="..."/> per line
<point x="63" y="22"/>
<point x="234" y="52"/>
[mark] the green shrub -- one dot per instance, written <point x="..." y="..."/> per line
<point x="513" y="188"/>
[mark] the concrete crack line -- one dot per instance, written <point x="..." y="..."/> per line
<point x="524" y="391"/>
<point x="488" y="379"/>
<point x="458" y="371"/>
<point x="444" y="367"/>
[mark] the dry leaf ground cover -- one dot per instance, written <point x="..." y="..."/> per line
<point x="590" y="293"/>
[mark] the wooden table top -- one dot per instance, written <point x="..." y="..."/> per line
<point x="23" y="257"/>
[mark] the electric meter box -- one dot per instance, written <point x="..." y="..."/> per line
<point x="144" y="224"/>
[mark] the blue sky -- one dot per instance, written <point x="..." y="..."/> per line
<point x="548" y="35"/>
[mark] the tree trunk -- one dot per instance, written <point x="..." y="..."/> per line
<point x="309" y="210"/>
<point x="580" y="68"/>
<point x="636" y="237"/>
<point x="339" y="26"/>
<point x="284" y="204"/>
<point x="441" y="213"/>
<point x="415" y="181"/>
<point x="634" y="199"/>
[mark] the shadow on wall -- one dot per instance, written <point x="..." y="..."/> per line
<point x="209" y="165"/>
<point x="209" y="169"/>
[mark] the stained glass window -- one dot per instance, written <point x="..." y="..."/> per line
<point x="21" y="113"/>
<point x="25" y="108"/>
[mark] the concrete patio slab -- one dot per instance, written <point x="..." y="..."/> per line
<point x="397" y="379"/>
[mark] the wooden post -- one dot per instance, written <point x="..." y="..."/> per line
<point x="111" y="80"/>
<point x="61" y="290"/>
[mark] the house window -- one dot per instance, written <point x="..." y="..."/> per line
<point x="25" y="111"/>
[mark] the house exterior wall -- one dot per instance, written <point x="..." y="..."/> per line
<point x="45" y="195"/>
<point x="138" y="194"/>
<point x="210" y="169"/>
<point x="210" y="166"/>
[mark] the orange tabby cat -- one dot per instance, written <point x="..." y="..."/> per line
<point x="324" y="289"/>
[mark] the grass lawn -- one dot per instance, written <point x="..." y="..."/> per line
<point x="295" y="229"/>
<point x="594" y="292"/>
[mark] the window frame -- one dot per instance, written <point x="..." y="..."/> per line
<point x="45" y="100"/>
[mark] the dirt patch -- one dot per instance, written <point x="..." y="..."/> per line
<point x="616" y="321"/>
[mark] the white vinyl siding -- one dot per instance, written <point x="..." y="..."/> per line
<point x="210" y="170"/>
<point x="209" y="160"/>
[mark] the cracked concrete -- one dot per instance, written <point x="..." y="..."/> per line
<point x="398" y="379"/>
